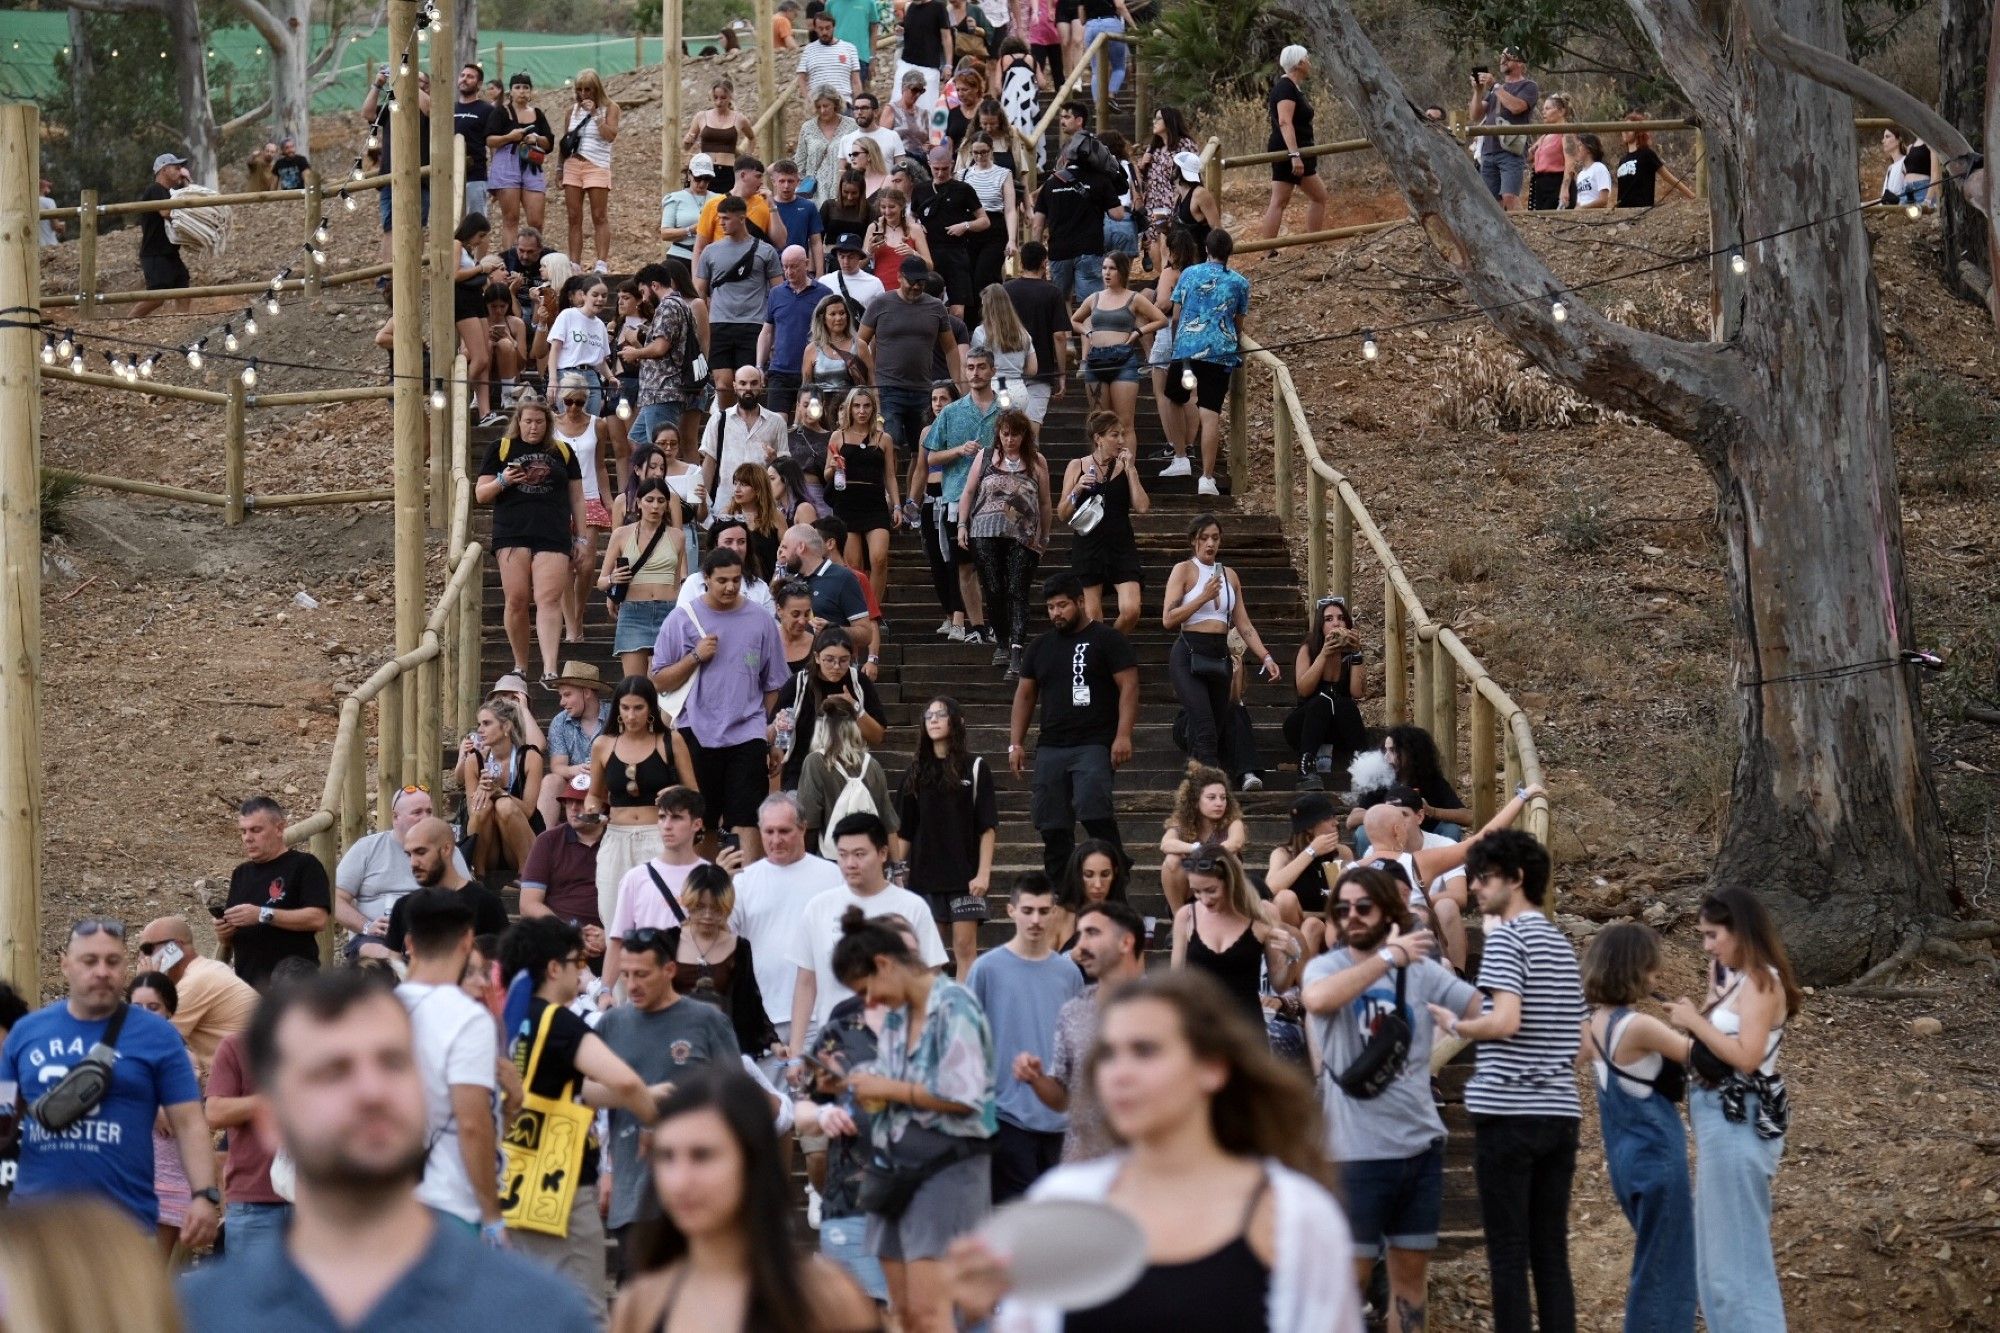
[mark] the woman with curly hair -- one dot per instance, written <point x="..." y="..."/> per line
<point x="1205" y="811"/>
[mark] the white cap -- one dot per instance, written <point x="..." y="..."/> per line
<point x="1189" y="164"/>
<point x="701" y="164"/>
<point x="165" y="160"/>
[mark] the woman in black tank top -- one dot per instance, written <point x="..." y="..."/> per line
<point x="1226" y="932"/>
<point x="1221" y="1151"/>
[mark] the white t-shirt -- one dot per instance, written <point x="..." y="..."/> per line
<point x="1592" y="184"/>
<point x="819" y="931"/>
<point x="579" y="339"/>
<point x="890" y="142"/>
<point x="754" y="590"/>
<point x="639" y="900"/>
<point x="863" y="286"/>
<point x="770" y="899"/>
<point x="456" y="1043"/>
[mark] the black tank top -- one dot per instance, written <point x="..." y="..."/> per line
<point x="1310" y="887"/>
<point x="1113" y="533"/>
<point x="640" y="783"/>
<point x="1196" y="225"/>
<point x="1238" y="967"/>
<point x="1228" y="1288"/>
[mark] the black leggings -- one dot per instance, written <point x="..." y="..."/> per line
<point x="989" y="261"/>
<point x="1006" y="568"/>
<point x="1326" y="717"/>
<point x="1205" y="699"/>
<point x="944" y="574"/>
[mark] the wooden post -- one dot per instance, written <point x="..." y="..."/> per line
<point x="670" y="96"/>
<point x="1281" y="451"/>
<point x="447" y="204"/>
<point x="500" y="63"/>
<point x="1100" y="81"/>
<point x="21" y="550"/>
<point x="315" y="207"/>
<point x="428" y="735"/>
<point x="1315" y="535"/>
<point x="469" y="618"/>
<point x="448" y="644"/>
<point x="1395" y="655"/>
<point x="1239" y="432"/>
<point x="638" y="50"/>
<point x="354" y="785"/>
<point x="407" y="286"/>
<point x="388" y="751"/>
<point x="233" y="468"/>
<point x="326" y="849"/>
<point x="1135" y="78"/>
<point x="767" y="72"/>
<point x="1343" y="548"/>
<point x="1481" y="746"/>
<point x="1512" y="751"/>
<point x="1444" y="707"/>
<point x="1420" y="682"/>
<point x="86" y="252"/>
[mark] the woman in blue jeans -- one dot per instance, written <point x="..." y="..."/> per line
<point x="1637" y="1066"/>
<point x="1740" y="1119"/>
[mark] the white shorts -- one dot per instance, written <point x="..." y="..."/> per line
<point x="1038" y="400"/>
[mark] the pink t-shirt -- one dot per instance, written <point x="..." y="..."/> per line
<point x="640" y="902"/>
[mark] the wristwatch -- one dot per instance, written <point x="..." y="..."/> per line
<point x="265" y="913"/>
<point x="212" y="1194"/>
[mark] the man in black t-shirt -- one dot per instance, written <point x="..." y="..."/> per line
<point x="434" y="865"/>
<point x="1069" y="220"/>
<point x="472" y="120"/>
<point x="1087" y="679"/>
<point x="279" y="899"/>
<point x="951" y="216"/>
<point x="926" y="48"/>
<point x="159" y="257"/>
<point x="1045" y="315"/>
<point x="291" y="166"/>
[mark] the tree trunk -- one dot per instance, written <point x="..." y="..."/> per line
<point x="83" y="69"/>
<point x="467" y="39"/>
<point x="190" y="61"/>
<point x="1831" y="819"/>
<point x="1963" y="34"/>
<point x="291" y="98"/>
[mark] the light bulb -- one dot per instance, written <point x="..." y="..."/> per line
<point x="146" y="366"/>
<point x="815" y="409"/>
<point x="1006" y="401"/>
<point x="1915" y="211"/>
<point x="271" y="304"/>
<point x="624" y="409"/>
<point x="423" y="34"/>
<point x="194" y="357"/>
<point x="1369" y="351"/>
<point x="249" y="324"/>
<point x="359" y="175"/>
<point x="1187" y="378"/>
<point x="76" y="362"/>
<point x="1559" y="312"/>
<point x="318" y="257"/>
<point x="403" y="66"/>
<point x="250" y="374"/>
<point x="437" y="398"/>
<point x="320" y="232"/>
<point x="374" y="141"/>
<point x="48" y="351"/>
<point x="229" y="341"/>
<point x="1738" y="264"/>
<point x="65" y="344"/>
<point x="117" y="363"/>
<point x="348" y="200"/>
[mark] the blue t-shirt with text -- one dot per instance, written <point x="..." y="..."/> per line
<point x="110" y="1151"/>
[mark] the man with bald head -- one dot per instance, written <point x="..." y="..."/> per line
<point x="1436" y="874"/>
<point x="836" y="590"/>
<point x="788" y="314"/>
<point x="375" y="872"/>
<point x="434" y="864"/>
<point x="748" y="432"/>
<point x="214" y="1001"/>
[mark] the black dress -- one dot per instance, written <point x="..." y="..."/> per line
<point x="1284" y="90"/>
<point x="864" y="504"/>
<point x="1108" y="554"/>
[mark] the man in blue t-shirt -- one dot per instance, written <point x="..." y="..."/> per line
<point x="803" y="225"/>
<point x="109" y="1151"/>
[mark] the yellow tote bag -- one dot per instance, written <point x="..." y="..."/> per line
<point x="544" y="1152"/>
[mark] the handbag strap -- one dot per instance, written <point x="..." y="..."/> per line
<point x="116" y="1026"/>
<point x="647" y="554"/>
<point x="673" y="903"/>
<point x="535" y="1052"/>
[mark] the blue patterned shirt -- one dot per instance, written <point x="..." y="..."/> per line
<point x="1210" y="299"/>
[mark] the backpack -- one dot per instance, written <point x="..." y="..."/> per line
<point x="561" y="448"/>
<point x="854" y="799"/>
<point x="1095" y="167"/>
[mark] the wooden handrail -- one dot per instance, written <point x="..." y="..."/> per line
<point x="1068" y="86"/>
<point x="770" y="113"/>
<point x="130" y="206"/>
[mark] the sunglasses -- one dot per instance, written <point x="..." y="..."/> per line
<point x="645" y="937"/>
<point x="1342" y="910"/>
<point x="1325" y="602"/>
<point x="411" y="789"/>
<point x="1203" y="865"/>
<point x="146" y="949"/>
<point x="936" y="715"/>
<point x="90" y="925"/>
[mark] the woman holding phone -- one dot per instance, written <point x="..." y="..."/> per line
<point x="540" y="529"/>
<point x="632" y="761"/>
<point x="1204" y="601"/>
<point x="642" y="574"/>
<point x="497" y="771"/>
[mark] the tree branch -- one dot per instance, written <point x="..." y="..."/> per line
<point x="255" y="113"/>
<point x="1843" y="75"/>
<point x="265" y="22"/>
<point x="1696" y="60"/>
<point x="1691" y="391"/>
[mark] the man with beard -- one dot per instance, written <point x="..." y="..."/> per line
<point x="1390" y="1145"/>
<point x="342" y="1091"/>
<point x="433" y="864"/>
<point x="1110" y="950"/>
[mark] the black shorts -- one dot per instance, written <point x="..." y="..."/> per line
<point x="541" y="543"/>
<point x="732" y="781"/>
<point x="164" y="273"/>
<point x="1211" y="384"/>
<point x="1107" y="569"/>
<point x="732" y="346"/>
<point x="1281" y="170"/>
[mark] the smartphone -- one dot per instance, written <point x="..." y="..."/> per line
<point x="1478" y="70"/>
<point x="729" y="842"/>
<point x="215" y="910"/>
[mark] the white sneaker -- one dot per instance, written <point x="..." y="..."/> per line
<point x="1177" y="468"/>
<point x="1206" y="486"/>
<point x="812" y="1207"/>
<point x="956" y="633"/>
<point x="944" y="629"/>
<point x="1251" y="782"/>
<point x="600" y="267"/>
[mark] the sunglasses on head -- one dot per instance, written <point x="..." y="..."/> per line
<point x="1203" y="865"/>
<point x="411" y="789"/>
<point x="1364" y="907"/>
<point x="90" y="925"/>
<point x="1324" y="602"/>
<point x="645" y="937"/>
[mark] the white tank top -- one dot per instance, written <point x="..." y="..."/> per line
<point x="595" y="148"/>
<point x="1647" y="1066"/>
<point x="585" y="446"/>
<point x="1216" y="612"/>
<point x="1730" y="1023"/>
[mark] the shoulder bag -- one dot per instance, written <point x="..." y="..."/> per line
<point x="84" y="1088"/>
<point x="571" y="143"/>
<point x="543" y="1152"/>
<point x="1381" y="1061"/>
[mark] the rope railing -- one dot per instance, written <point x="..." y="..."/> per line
<point x="440" y="672"/>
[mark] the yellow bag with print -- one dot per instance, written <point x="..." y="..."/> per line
<point x="543" y="1151"/>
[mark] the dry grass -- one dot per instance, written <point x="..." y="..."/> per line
<point x="1485" y="384"/>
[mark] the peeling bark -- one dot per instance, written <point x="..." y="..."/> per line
<point x="1831" y="821"/>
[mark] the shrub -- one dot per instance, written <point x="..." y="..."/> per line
<point x="1204" y="51"/>
<point x="58" y="492"/>
<point x="1953" y="434"/>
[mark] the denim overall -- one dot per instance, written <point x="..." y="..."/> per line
<point x="1645" y="1146"/>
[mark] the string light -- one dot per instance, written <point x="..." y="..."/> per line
<point x="374" y="142"/>
<point x="359" y="174"/>
<point x="1369" y="351"/>
<point x="1914" y="211"/>
<point x="48" y="351"/>
<point x="624" y="408"/>
<point x="815" y="409"/>
<point x="194" y="356"/>
<point x="317" y="255"/>
<point x="437" y="396"/>
<point x="66" y="343"/>
<point x="229" y="341"/>
<point x="1559" y="312"/>
<point x="348" y="199"/>
<point x="250" y="373"/>
<point x="1737" y="263"/>
<point x="146" y="366"/>
<point x="1006" y="400"/>
<point x="320" y="233"/>
<point x="250" y="323"/>
<point x="403" y="66"/>
<point x="76" y="362"/>
<point x="1187" y="378"/>
<point x="271" y="304"/>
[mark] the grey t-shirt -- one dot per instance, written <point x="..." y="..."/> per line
<point x="376" y="870"/>
<point x="1023" y="1000"/>
<point x="905" y="336"/>
<point x="662" y="1046"/>
<point x="742" y="301"/>
<point x="1403" y="1121"/>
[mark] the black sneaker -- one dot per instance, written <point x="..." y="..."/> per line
<point x="1309" y="778"/>
<point x="1000" y="658"/>
<point x="1014" y="656"/>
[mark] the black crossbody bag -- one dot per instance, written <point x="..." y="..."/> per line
<point x="1381" y="1061"/>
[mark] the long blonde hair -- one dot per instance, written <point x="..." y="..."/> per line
<point x="78" y="1265"/>
<point x="1237" y="895"/>
<point x="1004" y="330"/>
<point x="837" y="738"/>
<point x="847" y="410"/>
<point x="589" y="84"/>
<point x="821" y="336"/>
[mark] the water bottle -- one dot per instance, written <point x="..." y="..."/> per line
<point x="784" y="732"/>
<point x="840" y="477"/>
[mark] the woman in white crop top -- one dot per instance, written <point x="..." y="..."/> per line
<point x="1634" y="1059"/>
<point x="590" y="439"/>
<point x="1204" y="601"/>
<point x="1739" y="1125"/>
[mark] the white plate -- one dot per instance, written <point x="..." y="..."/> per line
<point x="1068" y="1253"/>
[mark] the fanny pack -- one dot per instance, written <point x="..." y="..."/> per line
<point x="1115" y="357"/>
<point x="572" y="143"/>
<point x="84" y="1088"/>
<point x="891" y="1179"/>
<point x="1381" y="1061"/>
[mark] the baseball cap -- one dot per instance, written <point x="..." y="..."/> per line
<point x="1189" y="165"/>
<point x="576" y="788"/>
<point x="913" y="270"/>
<point x="1405" y="797"/>
<point x="849" y="240"/>
<point x="1310" y="810"/>
<point x="701" y="164"/>
<point x="165" y="160"/>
